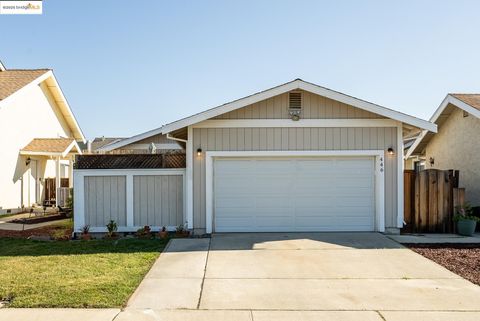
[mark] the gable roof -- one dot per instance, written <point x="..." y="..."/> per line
<point x="467" y="102"/>
<point x="278" y="90"/>
<point x="50" y="147"/>
<point x="296" y="85"/>
<point x="13" y="81"/>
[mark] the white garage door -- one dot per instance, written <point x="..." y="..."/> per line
<point x="294" y="194"/>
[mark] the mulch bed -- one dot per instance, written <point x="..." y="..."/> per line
<point x="39" y="219"/>
<point x="45" y="231"/>
<point x="462" y="259"/>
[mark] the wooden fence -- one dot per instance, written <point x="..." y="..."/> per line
<point x="430" y="198"/>
<point x="51" y="191"/>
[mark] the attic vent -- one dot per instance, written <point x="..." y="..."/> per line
<point x="295" y="105"/>
<point x="295" y="100"/>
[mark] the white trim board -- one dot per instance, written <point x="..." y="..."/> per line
<point x="379" y="175"/>
<point x="302" y="85"/>
<point x="253" y="123"/>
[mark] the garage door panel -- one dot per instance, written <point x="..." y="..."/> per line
<point x="294" y="194"/>
<point x="333" y="224"/>
<point x="272" y="185"/>
<point x="235" y="202"/>
<point x="275" y="221"/>
<point x="273" y="202"/>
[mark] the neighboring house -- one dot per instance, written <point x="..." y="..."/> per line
<point x="39" y="135"/>
<point x="157" y="144"/>
<point x="296" y="157"/>
<point x="456" y="145"/>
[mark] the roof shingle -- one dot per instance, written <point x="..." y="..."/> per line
<point x="12" y="80"/>
<point x="471" y="99"/>
<point x="49" y="145"/>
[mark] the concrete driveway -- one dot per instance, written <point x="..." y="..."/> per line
<point x="299" y="276"/>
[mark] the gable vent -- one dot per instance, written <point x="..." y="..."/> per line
<point x="295" y="100"/>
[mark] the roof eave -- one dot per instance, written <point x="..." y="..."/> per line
<point x="295" y="85"/>
<point x="449" y="99"/>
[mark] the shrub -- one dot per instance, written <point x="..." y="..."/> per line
<point x="464" y="212"/>
<point x="111" y="228"/>
<point x="144" y="232"/>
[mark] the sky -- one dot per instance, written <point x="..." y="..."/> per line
<point x="130" y="66"/>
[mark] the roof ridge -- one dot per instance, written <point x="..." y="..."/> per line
<point x="26" y="69"/>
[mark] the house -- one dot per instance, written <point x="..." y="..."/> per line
<point x="119" y="145"/>
<point x="455" y="146"/>
<point x="38" y="138"/>
<point x="296" y="157"/>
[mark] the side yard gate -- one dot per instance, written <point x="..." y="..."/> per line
<point x="430" y="198"/>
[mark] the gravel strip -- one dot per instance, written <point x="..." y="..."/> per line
<point x="462" y="259"/>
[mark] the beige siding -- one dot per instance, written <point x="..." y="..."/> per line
<point x="313" y="107"/>
<point x="291" y="139"/>
<point x="456" y="146"/>
<point x="105" y="200"/>
<point x="158" y="200"/>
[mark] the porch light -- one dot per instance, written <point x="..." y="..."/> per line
<point x="390" y="151"/>
<point x="199" y="152"/>
<point x="27" y="162"/>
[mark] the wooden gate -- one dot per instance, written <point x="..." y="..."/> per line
<point x="50" y="189"/>
<point x="430" y="198"/>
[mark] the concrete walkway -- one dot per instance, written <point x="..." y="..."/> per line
<point x="288" y="276"/>
<point x="433" y="238"/>
<point x="6" y="225"/>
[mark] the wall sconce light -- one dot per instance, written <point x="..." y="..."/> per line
<point x="199" y="152"/>
<point x="27" y="162"/>
<point x="431" y="161"/>
<point x="390" y="151"/>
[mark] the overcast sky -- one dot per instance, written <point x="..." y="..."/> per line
<point x="127" y="67"/>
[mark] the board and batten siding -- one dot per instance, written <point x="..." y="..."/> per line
<point x="293" y="139"/>
<point x="132" y="198"/>
<point x="158" y="200"/>
<point x="313" y="107"/>
<point x="105" y="200"/>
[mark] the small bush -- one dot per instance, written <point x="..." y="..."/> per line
<point x="144" y="232"/>
<point x="112" y="228"/>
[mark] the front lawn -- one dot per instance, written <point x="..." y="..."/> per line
<point x="97" y="273"/>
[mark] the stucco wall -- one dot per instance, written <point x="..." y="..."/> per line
<point x="456" y="146"/>
<point x="30" y="113"/>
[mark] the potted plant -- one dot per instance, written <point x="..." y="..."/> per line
<point x="112" y="229"/>
<point x="182" y="231"/>
<point x="163" y="234"/>
<point x="85" y="232"/>
<point x="466" y="222"/>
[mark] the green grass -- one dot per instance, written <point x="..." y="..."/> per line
<point x="97" y="273"/>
